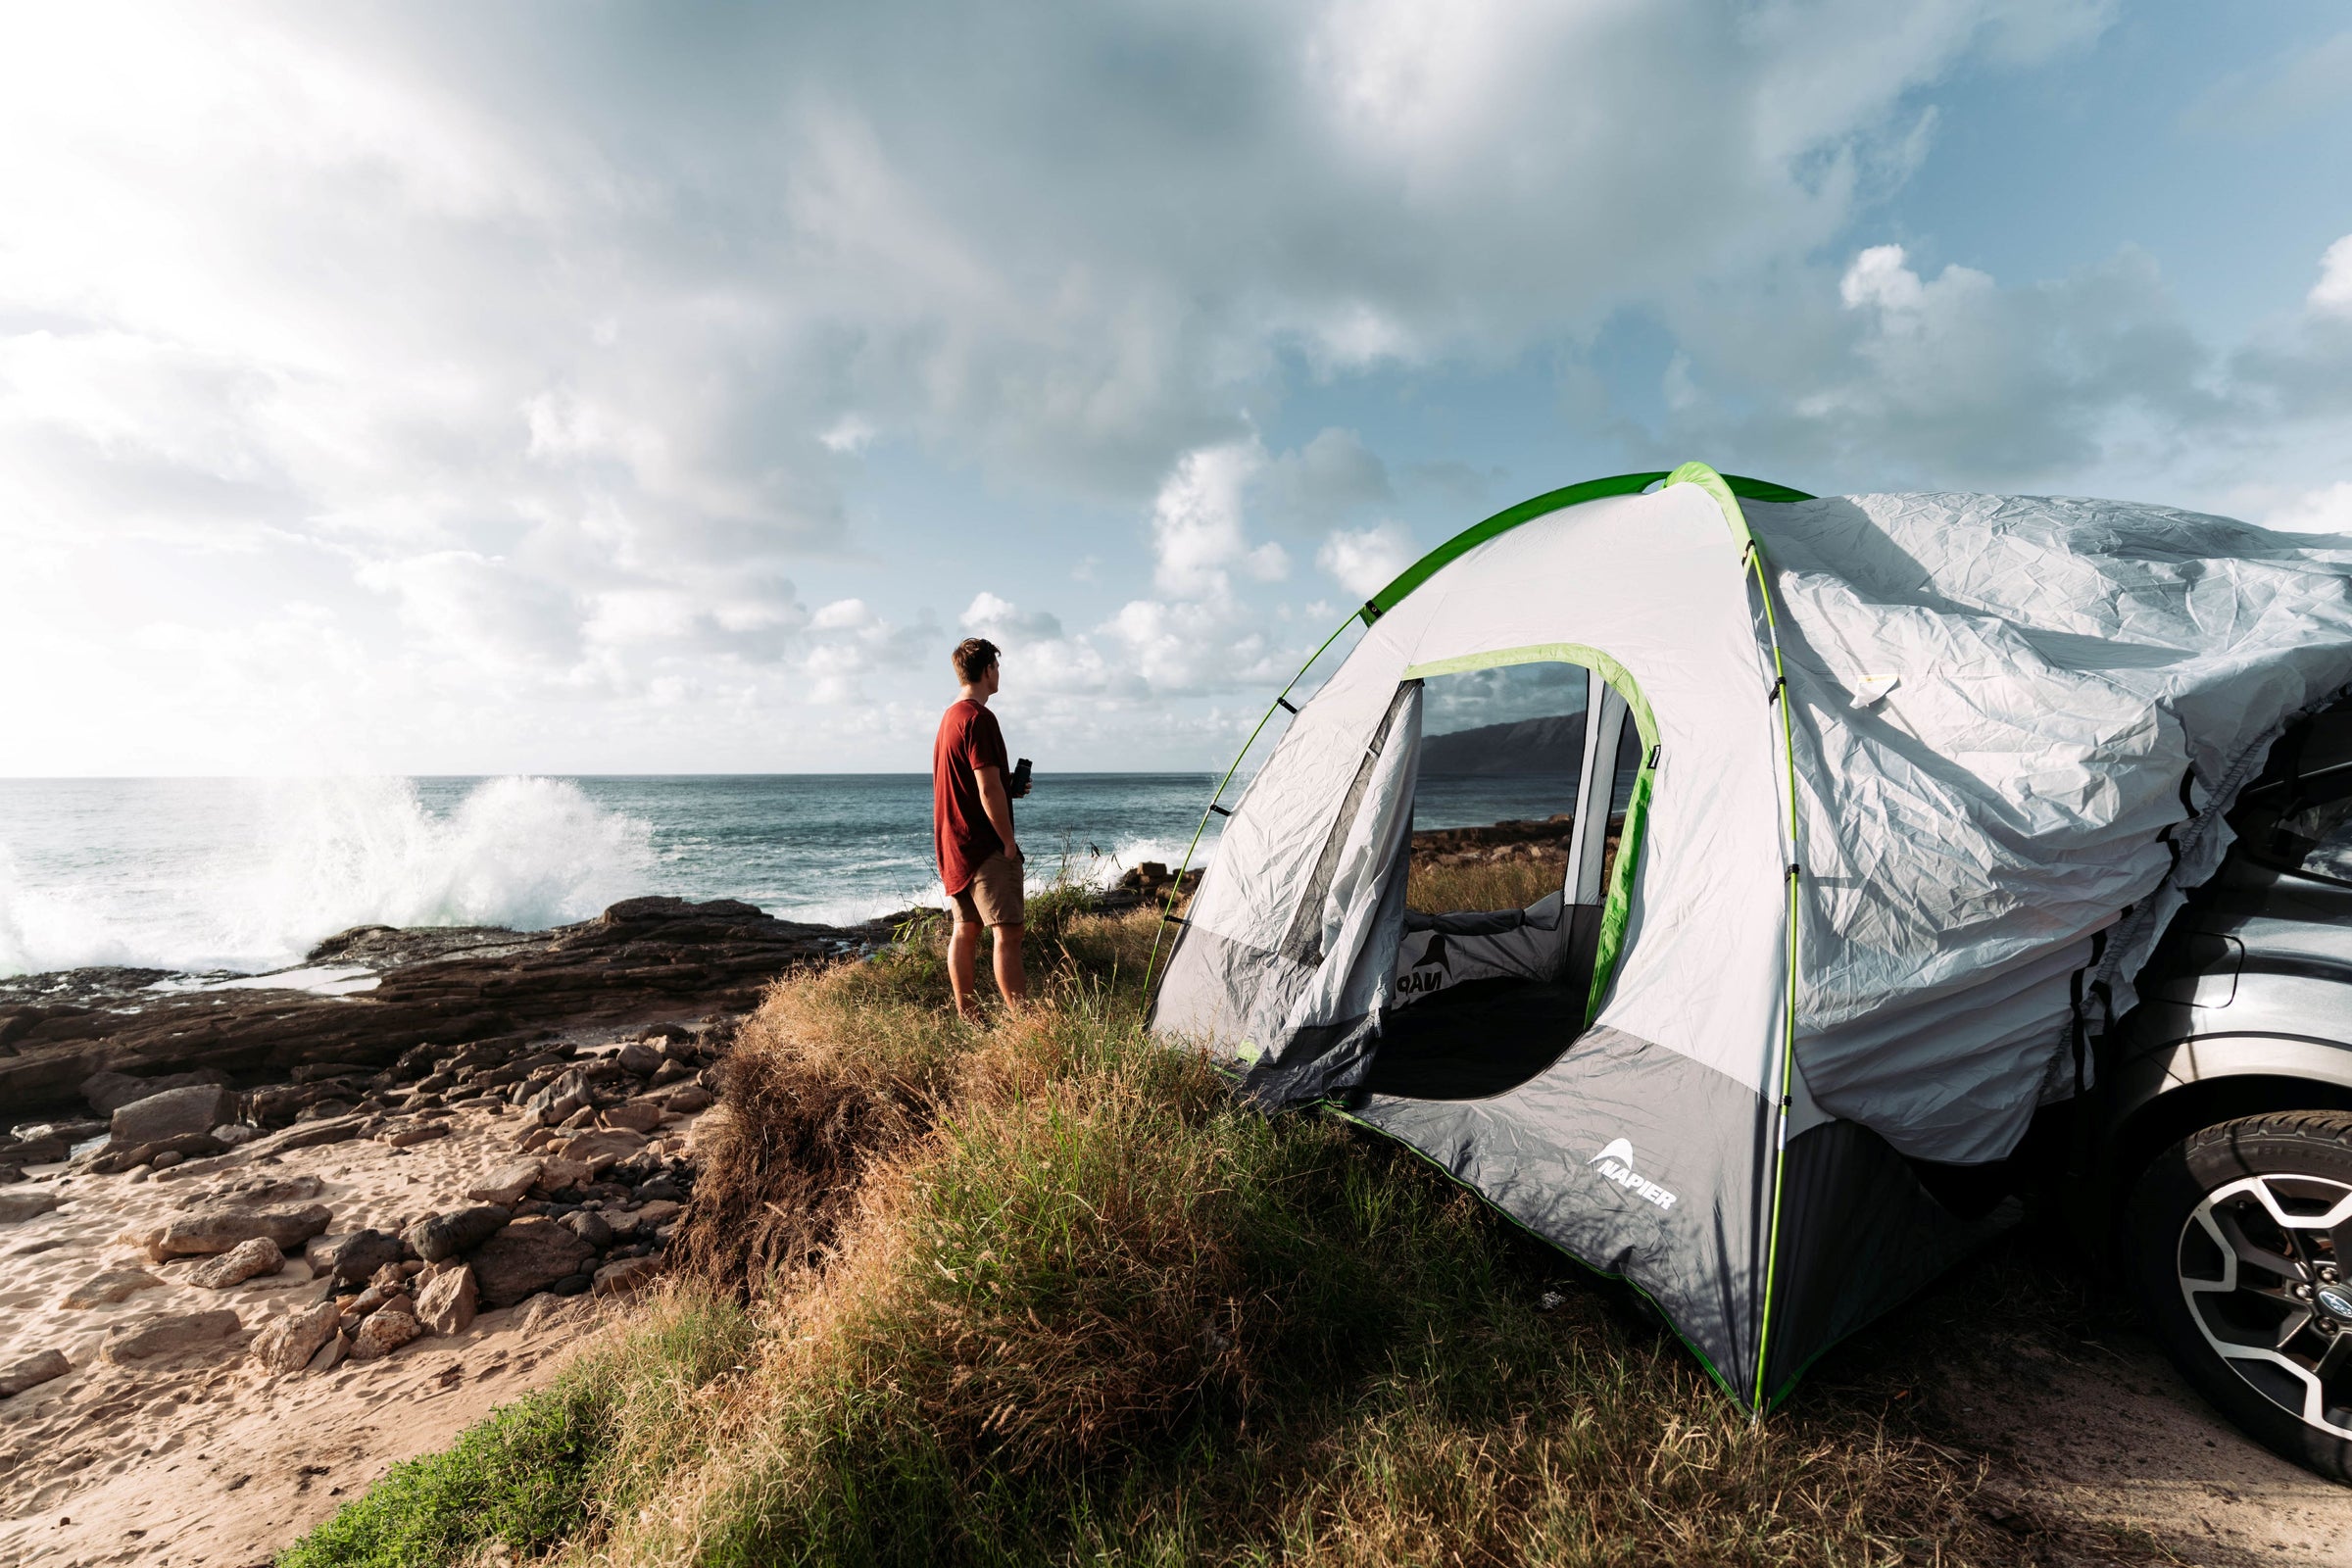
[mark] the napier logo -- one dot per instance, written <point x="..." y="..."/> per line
<point x="1616" y="1162"/>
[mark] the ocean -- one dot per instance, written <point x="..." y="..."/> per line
<point x="245" y="875"/>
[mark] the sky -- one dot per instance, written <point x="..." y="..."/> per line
<point x="594" y="387"/>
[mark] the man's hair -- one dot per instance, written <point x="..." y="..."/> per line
<point x="973" y="658"/>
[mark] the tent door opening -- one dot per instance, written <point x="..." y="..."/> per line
<point x="1525" y="775"/>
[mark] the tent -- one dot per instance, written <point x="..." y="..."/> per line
<point x="1912" y="785"/>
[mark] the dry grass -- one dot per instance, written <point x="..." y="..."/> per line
<point x="1488" y="885"/>
<point x="1043" y="1294"/>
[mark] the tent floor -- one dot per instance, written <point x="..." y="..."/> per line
<point x="1474" y="1040"/>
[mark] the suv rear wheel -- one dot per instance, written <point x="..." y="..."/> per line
<point x="2242" y="1238"/>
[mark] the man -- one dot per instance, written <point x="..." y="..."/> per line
<point x="971" y="827"/>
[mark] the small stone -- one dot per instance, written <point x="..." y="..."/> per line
<point x="411" y="1137"/>
<point x="332" y="1353"/>
<point x="657" y="1212"/>
<point x="448" y="1301"/>
<point x="592" y="1228"/>
<point x="543" y="1312"/>
<point x="31" y="1372"/>
<point x="559" y="1175"/>
<point x="391" y="1277"/>
<point x="104" y="1290"/>
<point x="537" y="1138"/>
<point x="19" y="1206"/>
<point x="296" y="1340"/>
<point x="572" y="1285"/>
<point x="689" y="1099"/>
<point x="238" y="1264"/>
<point x="662" y="1190"/>
<point x="167" y="1159"/>
<point x="581" y="1117"/>
<point x="597" y="1149"/>
<point x="630" y="1274"/>
<point x="504" y="1186"/>
<point x="169" y="1336"/>
<point x="639" y="1058"/>
<point x="233" y="1133"/>
<point x="637" y="1117"/>
<point x="383" y="1333"/>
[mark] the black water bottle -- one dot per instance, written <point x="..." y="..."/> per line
<point x="1020" y="778"/>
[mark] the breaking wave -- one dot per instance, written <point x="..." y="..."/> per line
<point x="250" y="875"/>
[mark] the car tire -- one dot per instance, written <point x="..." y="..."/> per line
<point x="2240" y="1238"/>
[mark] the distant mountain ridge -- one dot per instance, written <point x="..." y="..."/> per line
<point x="1552" y="746"/>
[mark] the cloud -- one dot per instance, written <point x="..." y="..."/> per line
<point x="2327" y="510"/>
<point x="560" y="340"/>
<point x="2332" y="295"/>
<point x="1367" y="559"/>
<point x="1197" y="532"/>
<point x="1002" y="621"/>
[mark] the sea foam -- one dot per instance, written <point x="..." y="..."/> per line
<point x="248" y="874"/>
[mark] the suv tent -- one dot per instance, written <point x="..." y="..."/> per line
<point x="1921" y="779"/>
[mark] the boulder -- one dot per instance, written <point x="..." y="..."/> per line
<point x="630" y="1273"/>
<point x="31" y="1372"/>
<point x="221" y="1228"/>
<point x="504" y="1186"/>
<point x="448" y="1300"/>
<point x="361" y="1253"/>
<point x="173" y="1113"/>
<point x="525" y="1257"/>
<point x="238" y="1264"/>
<point x="640" y="1059"/>
<point x="289" y="1343"/>
<point x="445" y="1235"/>
<point x="383" y="1333"/>
<point x="109" y="1092"/>
<point x="689" y="1099"/>
<point x="16" y="1207"/>
<point x="169" y="1336"/>
<point x="104" y="1290"/>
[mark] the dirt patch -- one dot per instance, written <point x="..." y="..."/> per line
<point x="2090" y="1441"/>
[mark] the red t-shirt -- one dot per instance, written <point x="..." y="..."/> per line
<point x="969" y="741"/>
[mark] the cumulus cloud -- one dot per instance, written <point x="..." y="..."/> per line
<point x="1367" y="559"/>
<point x="1199" y="535"/>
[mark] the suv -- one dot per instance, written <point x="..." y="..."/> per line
<point x="2224" y="1132"/>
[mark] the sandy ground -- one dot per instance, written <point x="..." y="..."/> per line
<point x="200" y="1459"/>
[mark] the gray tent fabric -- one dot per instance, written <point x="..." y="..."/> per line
<point x="1919" y="771"/>
<point x="2074" y="690"/>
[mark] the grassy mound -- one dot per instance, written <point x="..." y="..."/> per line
<point x="1041" y="1292"/>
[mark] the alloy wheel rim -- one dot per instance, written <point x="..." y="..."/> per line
<point x="2262" y="1262"/>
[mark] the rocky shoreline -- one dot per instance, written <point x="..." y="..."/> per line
<point x="223" y="1200"/>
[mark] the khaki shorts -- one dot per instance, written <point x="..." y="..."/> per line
<point x="993" y="897"/>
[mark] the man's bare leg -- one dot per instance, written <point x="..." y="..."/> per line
<point x="964" y="949"/>
<point x="1011" y="979"/>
